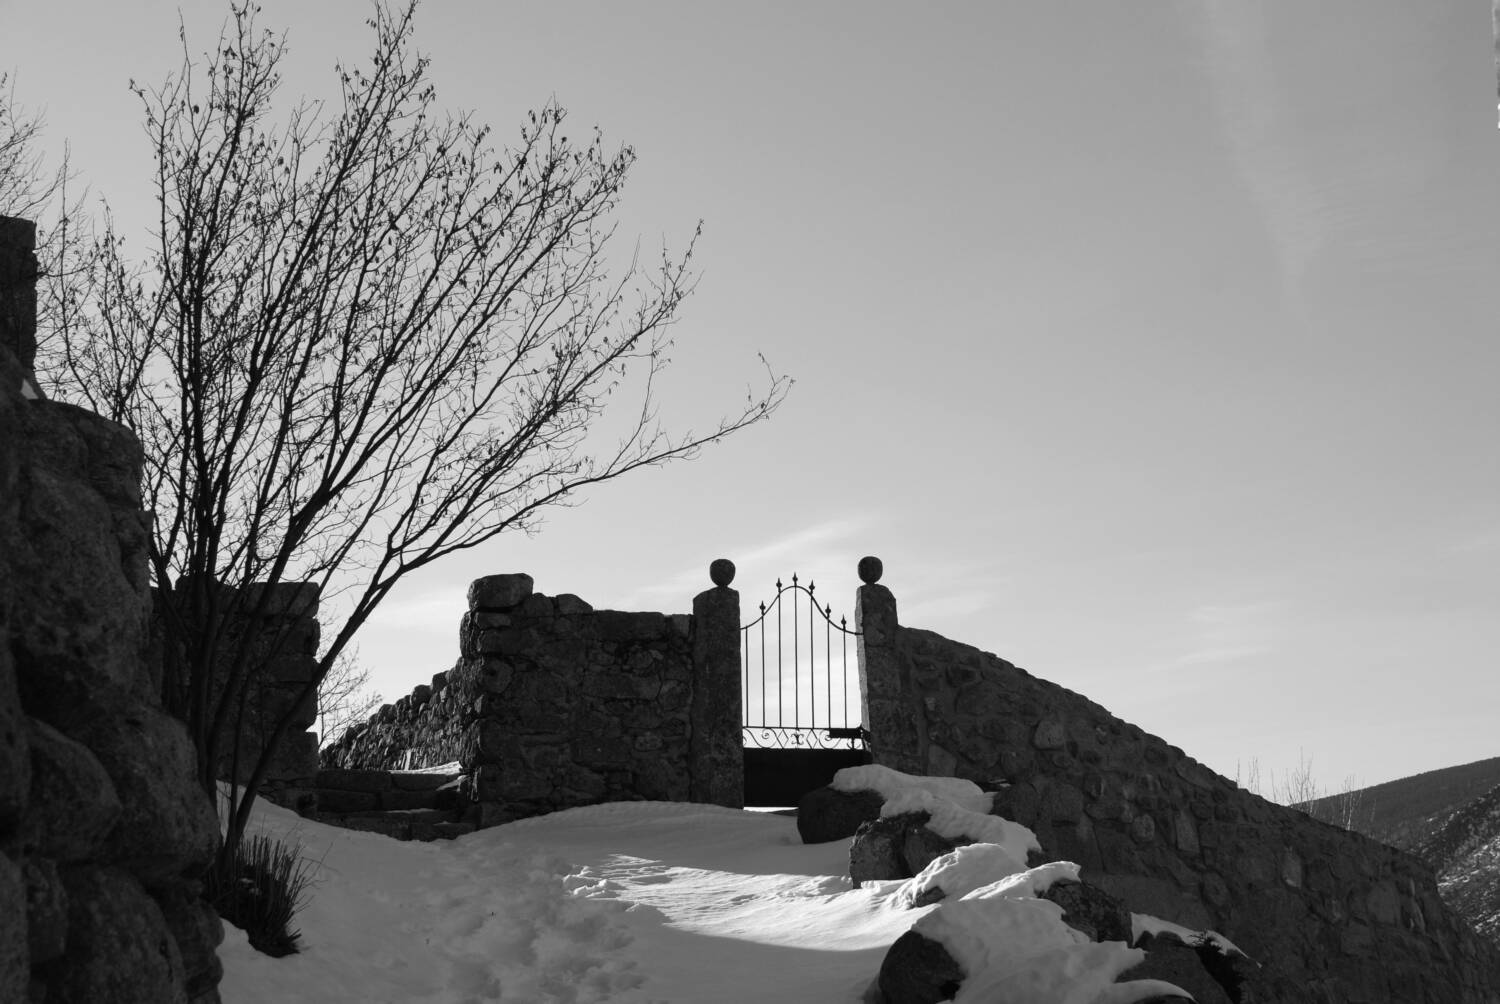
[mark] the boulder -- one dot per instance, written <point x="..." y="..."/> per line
<point x="167" y="826"/>
<point x="499" y="592"/>
<point x="15" y="956"/>
<point x="1169" y="958"/>
<point x="119" y="946"/>
<point x="827" y="814"/>
<point x="1091" y="910"/>
<point x="283" y="599"/>
<point x="918" y="970"/>
<point x="896" y="847"/>
<point x="920" y="846"/>
<point x="46" y="910"/>
<point x="81" y="550"/>
<point x="875" y="854"/>
<point x="74" y="805"/>
<point x="198" y="932"/>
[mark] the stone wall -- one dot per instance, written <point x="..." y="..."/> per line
<point x="423" y="729"/>
<point x="1346" y="919"/>
<point x="283" y="659"/>
<point x="553" y="704"/>
<point x="103" y="829"/>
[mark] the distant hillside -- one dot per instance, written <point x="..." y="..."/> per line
<point x="1464" y="850"/>
<point x="1451" y="819"/>
<point x="1403" y="812"/>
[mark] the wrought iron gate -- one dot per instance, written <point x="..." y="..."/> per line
<point x="787" y="706"/>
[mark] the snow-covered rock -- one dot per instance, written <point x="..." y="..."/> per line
<point x="892" y="783"/>
<point x="826" y="814"/>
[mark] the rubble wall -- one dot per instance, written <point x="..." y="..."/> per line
<point x="1347" y="920"/>
<point x="103" y="828"/>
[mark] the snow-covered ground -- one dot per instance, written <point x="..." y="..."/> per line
<point x="630" y="902"/>
<point x="633" y="902"/>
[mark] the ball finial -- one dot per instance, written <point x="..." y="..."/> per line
<point x="870" y="570"/>
<point x="721" y="571"/>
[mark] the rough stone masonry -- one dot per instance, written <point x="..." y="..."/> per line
<point x="103" y="828"/>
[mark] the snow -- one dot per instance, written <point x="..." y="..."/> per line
<point x="1017" y="950"/>
<point x="647" y="903"/>
<point x="891" y="783"/>
<point x="960" y="810"/>
<point x="970" y="867"/>
<point x="1144" y="923"/>
<point x="632" y="902"/>
<point x="1077" y="974"/>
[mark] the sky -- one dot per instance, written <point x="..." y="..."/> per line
<point x="637" y="902"/>
<point x="1151" y="346"/>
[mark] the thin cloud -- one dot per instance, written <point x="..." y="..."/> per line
<point x="1325" y="184"/>
<point x="821" y="545"/>
<point x="1222" y="633"/>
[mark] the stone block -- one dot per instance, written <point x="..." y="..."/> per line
<point x="282" y="599"/>
<point x="398" y="799"/>
<point x="1091" y="910"/>
<point x="337" y="800"/>
<point x="567" y="603"/>
<point x="421" y="782"/>
<point x="499" y="592"/>
<point x="354" y="780"/>
<point x="619" y="625"/>
<point x="919" y="970"/>
<point x="74" y="805"/>
<point x="84" y="610"/>
<point x="119" y="945"/>
<point x="826" y="814"/>
<point x="536" y="605"/>
<point x="46" y="910"/>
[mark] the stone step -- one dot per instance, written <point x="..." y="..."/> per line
<point x="399" y="824"/>
<point x="424" y="815"/>
<point x="344" y="800"/>
<point x="349" y="779"/>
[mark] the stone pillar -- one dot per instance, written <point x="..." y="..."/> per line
<point x="884" y="678"/>
<point x="18" y="271"/>
<point x="716" y="756"/>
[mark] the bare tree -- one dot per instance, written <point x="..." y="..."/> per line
<point x="27" y="188"/>
<point x="362" y="340"/>
<point x="344" y="698"/>
<point x="1298" y="789"/>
